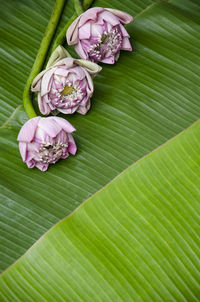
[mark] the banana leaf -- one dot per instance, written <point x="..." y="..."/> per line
<point x="146" y="98"/>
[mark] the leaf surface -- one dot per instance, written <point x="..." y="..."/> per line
<point x="149" y="96"/>
<point x="135" y="240"/>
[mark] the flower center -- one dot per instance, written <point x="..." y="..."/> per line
<point x="108" y="43"/>
<point x="71" y="96"/>
<point x="103" y="38"/>
<point x="68" y="94"/>
<point x="50" y="152"/>
<point x="67" y="90"/>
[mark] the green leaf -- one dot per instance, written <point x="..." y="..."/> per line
<point x="135" y="240"/>
<point x="149" y="96"/>
<point x="23" y="23"/>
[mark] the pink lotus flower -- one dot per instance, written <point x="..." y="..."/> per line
<point x="98" y="34"/>
<point x="43" y="141"/>
<point x="66" y="85"/>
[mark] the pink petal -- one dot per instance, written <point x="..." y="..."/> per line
<point x="30" y="164"/>
<point x="109" y="18"/>
<point x="110" y="60"/>
<point x="62" y="72"/>
<point x="124" y="32"/>
<point x="123" y="17"/>
<point x="126" y="44"/>
<point x="85" y="31"/>
<point x="41" y="136"/>
<point x="42" y="167"/>
<point x="65" y="155"/>
<point x="43" y="106"/>
<point x="45" y="87"/>
<point x="23" y="150"/>
<point x="30" y="156"/>
<point x="72" y="32"/>
<point x="79" y="72"/>
<point x="28" y="130"/>
<point x="65" y="63"/>
<point x="96" y="30"/>
<point x="85" y="100"/>
<point x="50" y="126"/>
<point x="72" y="145"/>
<point x="64" y="124"/>
<point x="80" y="51"/>
<point x="68" y="110"/>
<point x="84" y="109"/>
<point x="90" y="14"/>
<point x="90" y="86"/>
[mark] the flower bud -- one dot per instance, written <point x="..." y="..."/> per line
<point x="98" y="34"/>
<point x="43" y="141"/>
<point x="66" y="85"/>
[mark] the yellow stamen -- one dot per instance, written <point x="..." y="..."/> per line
<point x="103" y="38"/>
<point x="67" y="90"/>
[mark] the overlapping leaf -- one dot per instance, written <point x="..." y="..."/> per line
<point x="146" y="98"/>
<point x="136" y="240"/>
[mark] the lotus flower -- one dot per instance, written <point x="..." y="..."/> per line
<point x="43" y="141"/>
<point x="66" y="85"/>
<point x="98" y="34"/>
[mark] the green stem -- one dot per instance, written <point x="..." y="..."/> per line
<point x="78" y="7"/>
<point x="87" y="4"/>
<point x="41" y="55"/>
<point x="62" y="35"/>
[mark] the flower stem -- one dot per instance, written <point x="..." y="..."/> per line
<point x="78" y="7"/>
<point x="87" y="4"/>
<point x="62" y="35"/>
<point x="41" y="55"/>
